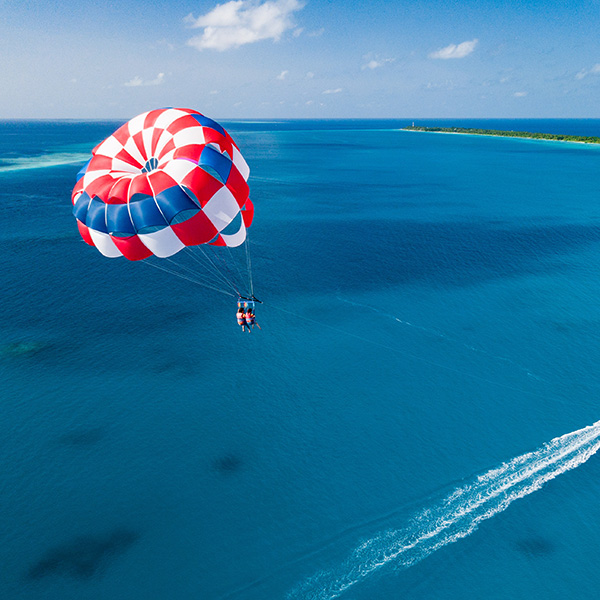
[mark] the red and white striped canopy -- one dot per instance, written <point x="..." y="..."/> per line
<point x="167" y="179"/>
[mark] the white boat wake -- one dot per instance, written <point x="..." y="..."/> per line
<point x="456" y="516"/>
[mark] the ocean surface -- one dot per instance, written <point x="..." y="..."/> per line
<point x="430" y="323"/>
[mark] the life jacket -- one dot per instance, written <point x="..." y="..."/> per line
<point x="240" y="318"/>
<point x="249" y="318"/>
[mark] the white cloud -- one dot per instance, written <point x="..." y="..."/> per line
<point x="520" y="94"/>
<point x="595" y="70"/>
<point x="376" y="63"/>
<point x="441" y="85"/>
<point x="282" y="75"/>
<point x="164" y="44"/>
<point x="372" y="64"/>
<point x="309" y="102"/>
<point x="455" y="51"/>
<point x="310" y="75"/>
<point x="316" y="33"/>
<point x="137" y="81"/>
<point x="335" y="91"/>
<point x="240" y="22"/>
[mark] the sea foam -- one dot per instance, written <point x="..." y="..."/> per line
<point x="9" y="165"/>
<point x="457" y="516"/>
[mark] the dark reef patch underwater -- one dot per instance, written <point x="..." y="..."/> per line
<point x="82" y="437"/>
<point x="228" y="463"/>
<point x="84" y="557"/>
<point x="535" y="546"/>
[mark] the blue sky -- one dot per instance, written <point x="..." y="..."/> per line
<point x="300" y="58"/>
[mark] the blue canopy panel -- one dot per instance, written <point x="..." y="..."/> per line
<point x="206" y="122"/>
<point x="83" y="169"/>
<point x="81" y="206"/>
<point x="173" y="201"/>
<point x="118" y="220"/>
<point x="215" y="160"/>
<point x="145" y="214"/>
<point x="96" y="216"/>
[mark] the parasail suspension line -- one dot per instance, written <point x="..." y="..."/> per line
<point x="216" y="271"/>
<point x="200" y="277"/>
<point x="249" y="265"/>
<point x="233" y="261"/>
<point x="409" y="354"/>
<point x="170" y="271"/>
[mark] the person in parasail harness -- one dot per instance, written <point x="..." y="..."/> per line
<point x="251" y="319"/>
<point x="241" y="317"/>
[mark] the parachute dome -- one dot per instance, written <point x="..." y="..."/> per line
<point x="165" y="180"/>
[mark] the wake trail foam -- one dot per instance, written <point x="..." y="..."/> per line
<point x="456" y="516"/>
<point x="8" y="165"/>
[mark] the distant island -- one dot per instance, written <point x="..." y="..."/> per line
<point x="519" y="134"/>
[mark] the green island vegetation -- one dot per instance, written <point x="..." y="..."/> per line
<point x="519" y="134"/>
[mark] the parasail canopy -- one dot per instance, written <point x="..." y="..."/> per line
<point x="167" y="179"/>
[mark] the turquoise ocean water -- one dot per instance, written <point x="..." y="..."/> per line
<point x="430" y="322"/>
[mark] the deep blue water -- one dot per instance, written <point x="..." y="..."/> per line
<point x="430" y="313"/>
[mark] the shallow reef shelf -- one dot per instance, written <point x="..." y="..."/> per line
<point x="499" y="133"/>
